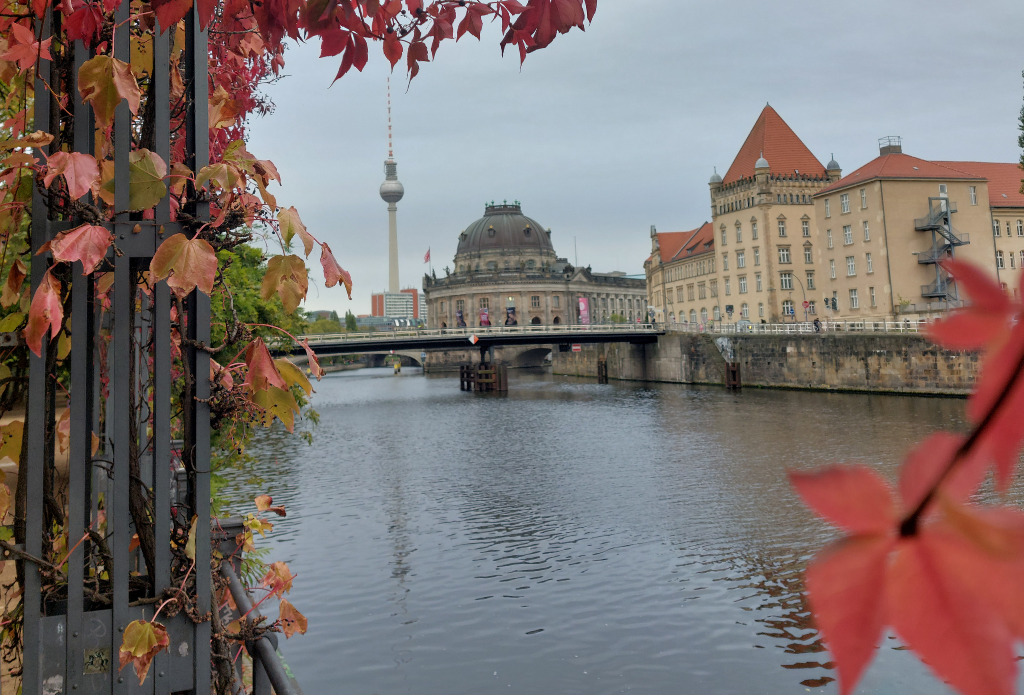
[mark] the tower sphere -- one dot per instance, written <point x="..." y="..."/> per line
<point x="392" y="191"/>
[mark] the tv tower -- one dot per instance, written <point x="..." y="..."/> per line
<point x="391" y="191"/>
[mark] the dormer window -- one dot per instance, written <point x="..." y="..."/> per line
<point x="527" y="230"/>
<point x="490" y="231"/>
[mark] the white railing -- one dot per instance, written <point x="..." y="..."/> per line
<point x="481" y="331"/>
<point x="807" y="327"/>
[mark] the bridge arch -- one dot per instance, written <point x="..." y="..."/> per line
<point x="532" y="358"/>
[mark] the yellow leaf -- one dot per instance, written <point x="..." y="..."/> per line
<point x="10" y="439"/>
<point x="277" y="403"/>
<point x="293" y="375"/>
<point x="63" y="345"/>
<point x="64" y="430"/>
<point x="12" y="322"/>
<point x="5" y="501"/>
<point x="190" y="546"/>
<point x="141" y="642"/>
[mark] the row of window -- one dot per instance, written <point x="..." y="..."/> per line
<point x="1001" y="263"/>
<point x="689" y="270"/>
<point x="1020" y="227"/>
<point x="851" y="265"/>
<point x="848" y="234"/>
<point x="844" y="203"/>
<point x="556" y="303"/>
<point x="805" y="227"/>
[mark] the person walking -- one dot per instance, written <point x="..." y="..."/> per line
<point x="817" y="325"/>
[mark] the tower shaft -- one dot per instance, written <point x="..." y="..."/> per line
<point x="392" y="247"/>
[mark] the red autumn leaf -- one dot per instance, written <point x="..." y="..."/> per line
<point x="141" y="642"/>
<point x="314" y="361"/>
<point x="291" y="620"/>
<point x="80" y="171"/>
<point x="334" y="273"/>
<point x="221" y="375"/>
<point x="985" y="322"/>
<point x="45" y="313"/>
<point x="87" y="243"/>
<point x="205" y="9"/>
<point x="85" y="24"/>
<point x="186" y="263"/>
<point x="927" y="461"/>
<point x="170" y="12"/>
<point x="261" y="369"/>
<point x="854" y="498"/>
<point x="24" y="48"/>
<point x="392" y="48"/>
<point x="917" y="584"/>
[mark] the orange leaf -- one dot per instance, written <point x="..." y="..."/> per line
<point x="104" y="81"/>
<point x="187" y="263"/>
<point x="292" y="225"/>
<point x="12" y="288"/>
<point x="291" y="620"/>
<point x="46" y="313"/>
<point x="88" y="244"/>
<point x="264" y="504"/>
<point x="333" y="273"/>
<point x="314" y="361"/>
<point x="278" y="578"/>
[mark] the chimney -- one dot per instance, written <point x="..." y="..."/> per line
<point x="890" y="144"/>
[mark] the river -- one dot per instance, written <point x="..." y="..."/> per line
<point x="569" y="537"/>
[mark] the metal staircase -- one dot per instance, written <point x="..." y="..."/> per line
<point x="945" y="240"/>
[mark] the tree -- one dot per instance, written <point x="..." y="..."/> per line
<point x="350" y="322"/>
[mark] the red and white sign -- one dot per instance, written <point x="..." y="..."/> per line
<point x="576" y="347"/>
<point x="584" y="311"/>
<point x="473" y="339"/>
<point x="806" y="304"/>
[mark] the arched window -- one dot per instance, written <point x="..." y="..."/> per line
<point x="717" y="313"/>
<point x="703" y="315"/>
<point x="535" y="321"/>
<point x="745" y="310"/>
<point x="787" y="308"/>
<point x="693" y="316"/>
<point x="556" y="320"/>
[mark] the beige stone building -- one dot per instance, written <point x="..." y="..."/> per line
<point x="682" y="277"/>
<point x="506" y="266"/>
<point x="762" y="221"/>
<point x="893" y="220"/>
<point x="791" y="235"/>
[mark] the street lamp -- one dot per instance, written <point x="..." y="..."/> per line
<point x="802" y="292"/>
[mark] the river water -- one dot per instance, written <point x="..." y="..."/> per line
<point x="569" y="537"/>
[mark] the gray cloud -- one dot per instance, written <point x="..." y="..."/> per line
<point x="609" y="131"/>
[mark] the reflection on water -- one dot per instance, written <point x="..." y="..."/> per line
<point x="570" y="537"/>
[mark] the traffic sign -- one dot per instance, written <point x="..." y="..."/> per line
<point x="576" y="347"/>
<point x="473" y="339"/>
<point x="806" y="304"/>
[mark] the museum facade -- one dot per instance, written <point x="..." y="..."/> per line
<point x="506" y="272"/>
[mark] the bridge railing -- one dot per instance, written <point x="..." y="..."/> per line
<point x="806" y="327"/>
<point x="571" y="331"/>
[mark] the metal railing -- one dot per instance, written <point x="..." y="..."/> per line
<point x="268" y="669"/>
<point x="482" y="331"/>
<point x="804" y="327"/>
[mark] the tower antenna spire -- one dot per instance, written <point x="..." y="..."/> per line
<point x="391" y="151"/>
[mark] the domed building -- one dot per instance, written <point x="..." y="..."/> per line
<point x="506" y="272"/>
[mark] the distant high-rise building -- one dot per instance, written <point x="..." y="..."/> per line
<point x="408" y="303"/>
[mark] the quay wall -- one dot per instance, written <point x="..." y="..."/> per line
<point x="894" y="363"/>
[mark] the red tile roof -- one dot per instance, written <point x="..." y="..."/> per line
<point x="702" y="240"/>
<point x="672" y="245"/>
<point x="772" y="138"/>
<point x="1004" y="181"/>
<point x="900" y="166"/>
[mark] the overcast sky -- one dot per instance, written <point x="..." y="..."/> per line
<point x="607" y="132"/>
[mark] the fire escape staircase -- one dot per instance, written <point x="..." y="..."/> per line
<point x="945" y="239"/>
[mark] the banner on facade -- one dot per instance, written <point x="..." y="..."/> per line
<point x="460" y="321"/>
<point x="584" y="311"/>
<point x="485" y="320"/>
<point x="510" y="316"/>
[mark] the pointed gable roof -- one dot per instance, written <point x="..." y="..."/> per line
<point x="786" y="153"/>
<point x="673" y="245"/>
<point x="701" y="240"/>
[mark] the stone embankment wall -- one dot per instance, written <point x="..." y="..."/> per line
<point x="899" y="363"/>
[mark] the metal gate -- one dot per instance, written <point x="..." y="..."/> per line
<point x="72" y="637"/>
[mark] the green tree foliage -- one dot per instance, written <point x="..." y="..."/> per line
<point x="350" y="322"/>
